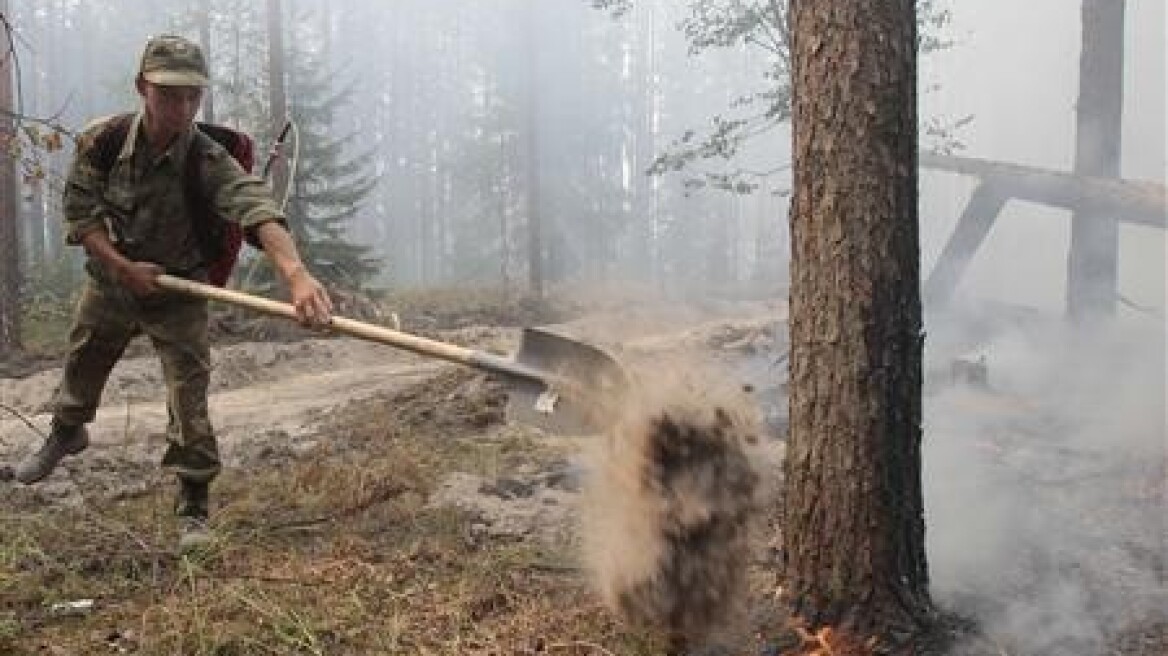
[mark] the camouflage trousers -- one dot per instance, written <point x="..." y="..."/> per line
<point x="107" y="317"/>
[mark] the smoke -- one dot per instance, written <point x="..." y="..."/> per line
<point x="666" y="517"/>
<point x="1045" y="492"/>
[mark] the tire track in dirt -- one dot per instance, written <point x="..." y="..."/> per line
<point x="131" y="428"/>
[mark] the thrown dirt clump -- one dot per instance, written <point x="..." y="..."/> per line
<point x="667" y="517"/>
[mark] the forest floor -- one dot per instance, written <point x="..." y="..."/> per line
<point x="374" y="502"/>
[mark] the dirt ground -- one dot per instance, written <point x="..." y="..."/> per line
<point x="263" y="393"/>
<point x="274" y="402"/>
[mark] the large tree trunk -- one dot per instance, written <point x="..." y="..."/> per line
<point x="1092" y="266"/>
<point x="10" y="278"/>
<point x="853" y="530"/>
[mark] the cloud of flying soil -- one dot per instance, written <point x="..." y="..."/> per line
<point x="666" y="514"/>
<point x="1045" y="493"/>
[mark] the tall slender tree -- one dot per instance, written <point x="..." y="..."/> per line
<point x="853" y="529"/>
<point x="203" y="18"/>
<point x="10" y="278"/>
<point x="277" y="94"/>
<point x="535" y="249"/>
<point x="332" y="177"/>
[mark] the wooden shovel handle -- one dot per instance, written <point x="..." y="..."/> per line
<point x="358" y="329"/>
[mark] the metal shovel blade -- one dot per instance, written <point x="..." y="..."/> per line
<point x="582" y="387"/>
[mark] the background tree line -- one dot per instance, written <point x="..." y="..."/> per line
<point x="492" y="143"/>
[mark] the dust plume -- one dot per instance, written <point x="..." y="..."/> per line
<point x="666" y="516"/>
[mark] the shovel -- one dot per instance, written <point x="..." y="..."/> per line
<point x="555" y="383"/>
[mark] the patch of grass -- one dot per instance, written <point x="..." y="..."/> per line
<point x="46" y="313"/>
<point x="334" y="552"/>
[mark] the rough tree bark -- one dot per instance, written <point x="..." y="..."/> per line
<point x="853" y="530"/>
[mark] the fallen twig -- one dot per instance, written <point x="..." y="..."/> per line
<point x="19" y="415"/>
<point x="579" y="643"/>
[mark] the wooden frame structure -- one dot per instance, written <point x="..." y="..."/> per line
<point x="1129" y="201"/>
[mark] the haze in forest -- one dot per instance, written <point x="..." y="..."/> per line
<point x="1014" y="67"/>
<point x="446" y="99"/>
<point x="1046" y="574"/>
<point x="438" y="99"/>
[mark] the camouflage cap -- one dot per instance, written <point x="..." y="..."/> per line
<point x="172" y="60"/>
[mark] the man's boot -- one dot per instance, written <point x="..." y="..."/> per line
<point x="192" y="510"/>
<point x="63" y="440"/>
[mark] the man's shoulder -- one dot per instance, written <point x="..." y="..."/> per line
<point x="107" y="122"/>
<point x="102" y="125"/>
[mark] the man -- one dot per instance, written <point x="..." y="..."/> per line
<point x="134" y="222"/>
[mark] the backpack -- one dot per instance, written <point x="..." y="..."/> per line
<point x="219" y="240"/>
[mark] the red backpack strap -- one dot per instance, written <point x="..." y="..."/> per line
<point x="244" y="152"/>
<point x="239" y="145"/>
<point x="222" y="239"/>
<point x="107" y="145"/>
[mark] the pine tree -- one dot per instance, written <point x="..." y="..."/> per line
<point x="853" y="512"/>
<point x="328" y="180"/>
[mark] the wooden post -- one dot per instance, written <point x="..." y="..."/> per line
<point x="972" y="228"/>
<point x="1093" y="260"/>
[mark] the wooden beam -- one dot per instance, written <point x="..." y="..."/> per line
<point x="972" y="227"/>
<point x="1132" y="201"/>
